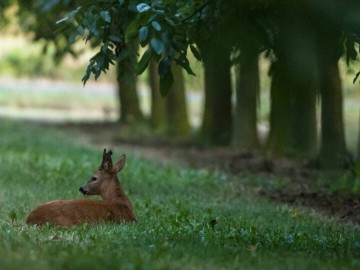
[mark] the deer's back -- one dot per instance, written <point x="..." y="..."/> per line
<point x="73" y="212"/>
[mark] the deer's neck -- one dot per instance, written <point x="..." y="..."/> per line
<point x="114" y="192"/>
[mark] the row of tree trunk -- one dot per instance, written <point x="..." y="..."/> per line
<point x="300" y="77"/>
<point x="304" y="72"/>
<point x="168" y="114"/>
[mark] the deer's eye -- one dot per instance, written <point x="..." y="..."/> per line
<point x="93" y="178"/>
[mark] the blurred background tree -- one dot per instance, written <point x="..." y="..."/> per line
<point x="304" y="44"/>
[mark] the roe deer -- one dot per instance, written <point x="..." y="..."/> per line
<point x="115" y="206"/>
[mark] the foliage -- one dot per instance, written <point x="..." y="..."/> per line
<point x="39" y="17"/>
<point x="186" y="219"/>
<point x="168" y="29"/>
<point x="158" y="25"/>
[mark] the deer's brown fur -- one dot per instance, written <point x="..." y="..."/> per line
<point x="115" y="206"/>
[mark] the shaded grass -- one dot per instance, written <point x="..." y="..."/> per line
<point x="187" y="219"/>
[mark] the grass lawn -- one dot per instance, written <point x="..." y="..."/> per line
<point x="187" y="219"/>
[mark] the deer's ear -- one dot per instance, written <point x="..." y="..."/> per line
<point x="119" y="165"/>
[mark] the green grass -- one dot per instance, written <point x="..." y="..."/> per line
<point x="187" y="219"/>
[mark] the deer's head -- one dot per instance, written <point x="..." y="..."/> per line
<point x="105" y="177"/>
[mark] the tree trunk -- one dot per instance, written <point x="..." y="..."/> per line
<point x="278" y="143"/>
<point x="158" y="103"/>
<point x="217" y="118"/>
<point x="304" y="125"/>
<point x="176" y="104"/>
<point x="299" y="83"/>
<point x="130" y="111"/>
<point x="245" y="136"/>
<point x="293" y="129"/>
<point x="169" y="113"/>
<point x="333" y="153"/>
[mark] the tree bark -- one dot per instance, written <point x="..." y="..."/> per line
<point x="278" y="143"/>
<point x="333" y="152"/>
<point x="217" y="117"/>
<point x="130" y="111"/>
<point x="297" y="79"/>
<point x="176" y="104"/>
<point x="158" y="116"/>
<point x="304" y="136"/>
<point x="169" y="113"/>
<point x="245" y="136"/>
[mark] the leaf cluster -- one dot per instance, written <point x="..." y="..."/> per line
<point x="39" y="17"/>
<point x="162" y="27"/>
<point x="169" y="29"/>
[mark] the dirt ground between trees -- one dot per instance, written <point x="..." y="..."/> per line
<point x="296" y="186"/>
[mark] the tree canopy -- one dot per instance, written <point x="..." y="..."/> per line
<point x="169" y="29"/>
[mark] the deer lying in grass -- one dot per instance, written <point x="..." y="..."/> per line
<point x="115" y="206"/>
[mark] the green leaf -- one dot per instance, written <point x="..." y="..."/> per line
<point x="142" y="7"/>
<point x="157" y="45"/>
<point x="144" y="61"/>
<point x="164" y="66"/>
<point x="170" y="22"/>
<point x="184" y="63"/>
<point x="166" y="82"/>
<point x="143" y="33"/>
<point x="72" y="37"/>
<point x="156" y="25"/>
<point x="160" y="13"/>
<point x="86" y="77"/>
<point x="132" y="30"/>
<point x="115" y="38"/>
<point x="106" y="16"/>
<point x="350" y="51"/>
<point x="80" y="30"/>
<point x="356" y="77"/>
<point x="195" y="52"/>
